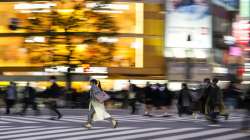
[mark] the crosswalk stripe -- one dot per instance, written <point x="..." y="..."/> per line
<point x="79" y="119"/>
<point x="72" y="120"/>
<point x="30" y="130"/>
<point x="41" y="133"/>
<point x="140" y="118"/>
<point x="37" y="120"/>
<point x="4" y="126"/>
<point x="16" y="121"/>
<point x="1" y="122"/>
<point x="16" y="128"/>
<point x="229" y="137"/>
<point x="197" y="134"/>
<point x="121" y="118"/>
<point x="149" y="134"/>
<point x="81" y="131"/>
<point x="112" y="134"/>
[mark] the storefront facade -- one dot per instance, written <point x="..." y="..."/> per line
<point x="138" y="52"/>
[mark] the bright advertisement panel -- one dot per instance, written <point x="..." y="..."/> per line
<point x="188" y="24"/>
<point x="245" y="9"/>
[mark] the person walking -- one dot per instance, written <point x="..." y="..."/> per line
<point x="132" y="96"/>
<point x="214" y="101"/>
<point x="231" y="96"/>
<point x="205" y="90"/>
<point x="148" y="99"/>
<point x="53" y="93"/>
<point x="167" y="100"/>
<point x="97" y="111"/>
<point x="29" y="99"/>
<point x="184" y="101"/>
<point x="10" y="96"/>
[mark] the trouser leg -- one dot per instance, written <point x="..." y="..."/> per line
<point x="9" y="104"/>
<point x="53" y="107"/>
<point x="91" y="115"/>
<point x="133" y="106"/>
<point x="25" y="106"/>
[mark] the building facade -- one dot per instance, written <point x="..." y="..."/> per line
<point x="138" y="43"/>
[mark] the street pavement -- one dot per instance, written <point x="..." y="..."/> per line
<point x="136" y="127"/>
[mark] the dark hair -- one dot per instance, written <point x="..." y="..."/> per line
<point x="215" y="80"/>
<point x="206" y="80"/>
<point x="184" y="85"/>
<point x="94" y="81"/>
<point x="99" y="85"/>
<point x="52" y="78"/>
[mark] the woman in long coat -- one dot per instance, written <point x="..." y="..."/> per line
<point x="97" y="111"/>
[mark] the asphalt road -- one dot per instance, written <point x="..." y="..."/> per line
<point x="138" y="127"/>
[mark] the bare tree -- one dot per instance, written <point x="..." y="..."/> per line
<point x="63" y="46"/>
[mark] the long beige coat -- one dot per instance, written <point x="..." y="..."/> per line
<point x="100" y="111"/>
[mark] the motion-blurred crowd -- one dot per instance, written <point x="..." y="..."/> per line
<point x="208" y="100"/>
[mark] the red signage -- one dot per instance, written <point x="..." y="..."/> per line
<point x="241" y="31"/>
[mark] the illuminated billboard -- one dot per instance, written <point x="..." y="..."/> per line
<point x="245" y="8"/>
<point x="188" y="24"/>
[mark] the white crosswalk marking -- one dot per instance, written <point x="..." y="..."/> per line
<point x="29" y="130"/>
<point x="230" y="136"/>
<point x="2" y="122"/>
<point x="123" y="133"/>
<point x="153" y="128"/>
<point x="16" y="128"/>
<point x="72" y="120"/>
<point x="33" y="119"/>
<point x="16" y="120"/>
<point x="149" y="134"/>
<point x="120" y="118"/>
<point x="112" y="134"/>
<point x="197" y="134"/>
<point x="81" y="131"/>
<point x="42" y="133"/>
<point x="4" y="126"/>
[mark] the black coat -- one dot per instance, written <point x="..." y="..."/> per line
<point x="29" y="93"/>
<point x="54" y="91"/>
<point x="247" y="99"/>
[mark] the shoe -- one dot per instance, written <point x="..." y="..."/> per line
<point x="114" y="123"/>
<point x="214" y="121"/>
<point x="166" y="115"/>
<point x="226" y="117"/>
<point x="53" y="118"/>
<point x="88" y="126"/>
<point x="59" y="117"/>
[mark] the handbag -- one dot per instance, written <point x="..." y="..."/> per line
<point x="102" y="96"/>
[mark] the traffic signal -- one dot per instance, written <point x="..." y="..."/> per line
<point x="14" y="23"/>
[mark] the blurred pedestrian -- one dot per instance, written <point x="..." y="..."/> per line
<point x="156" y="95"/>
<point x="148" y="99"/>
<point x="132" y="94"/>
<point x="97" y="111"/>
<point x="10" y="96"/>
<point x="29" y="99"/>
<point x="231" y="96"/>
<point x="184" y="101"/>
<point x="167" y="100"/>
<point x="246" y="122"/>
<point x="53" y="93"/>
<point x="205" y="90"/>
<point x="214" y="101"/>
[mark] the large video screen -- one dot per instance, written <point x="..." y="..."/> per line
<point x="188" y="24"/>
